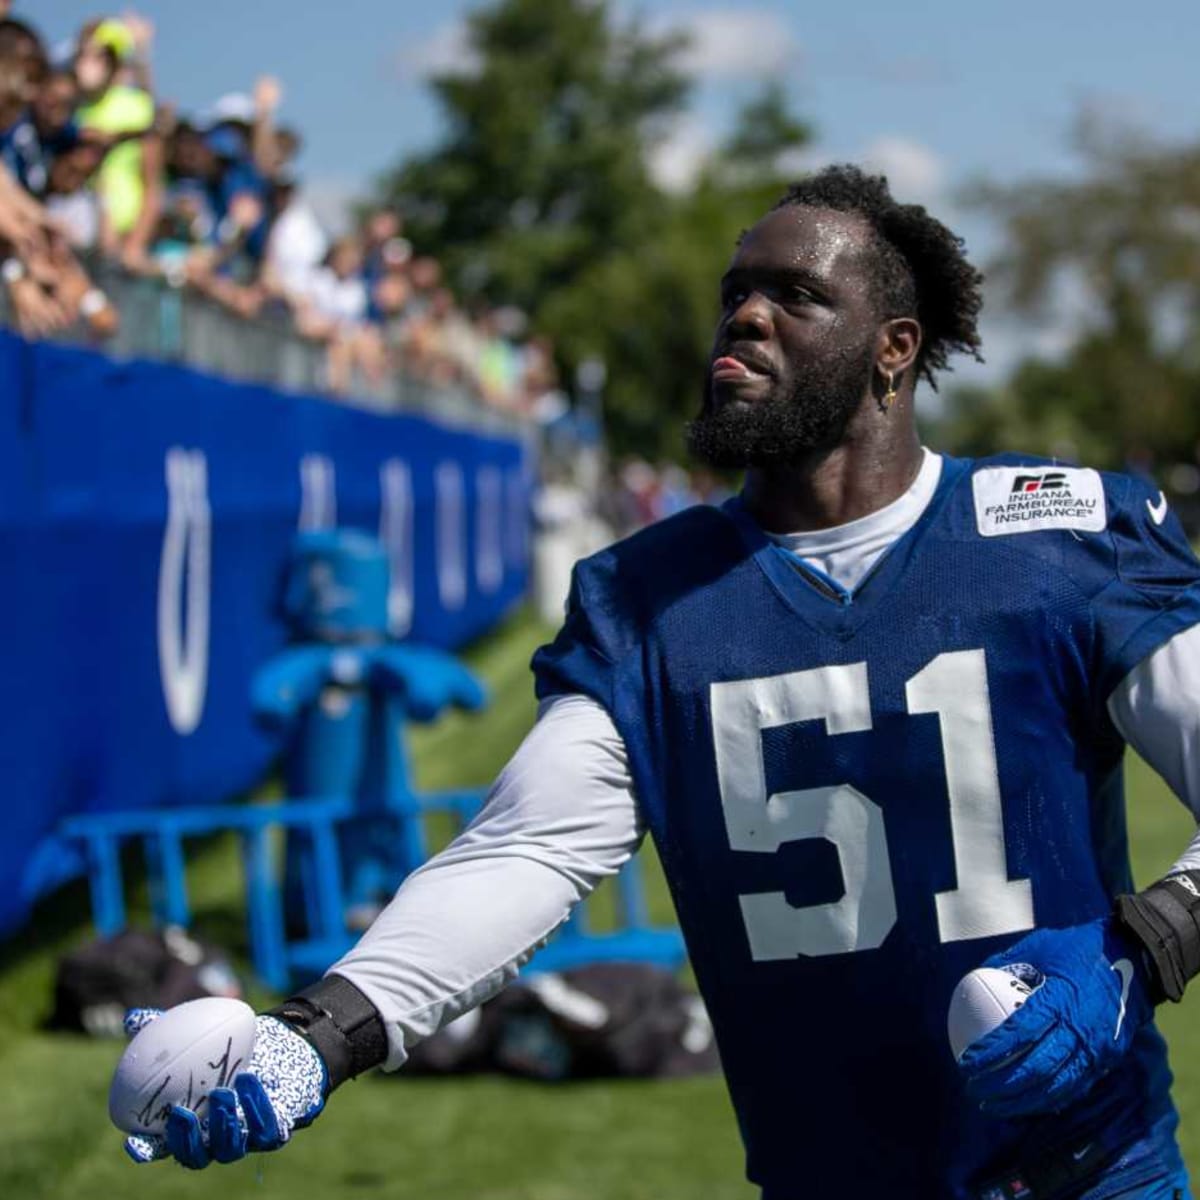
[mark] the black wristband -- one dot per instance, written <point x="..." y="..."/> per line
<point x="1165" y="920"/>
<point x="343" y="1026"/>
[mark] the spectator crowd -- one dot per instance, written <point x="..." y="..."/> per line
<point x="639" y="493"/>
<point x="96" y="169"/>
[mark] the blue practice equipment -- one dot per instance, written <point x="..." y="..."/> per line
<point x="152" y="510"/>
<point x="342" y="694"/>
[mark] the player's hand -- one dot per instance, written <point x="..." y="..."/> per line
<point x="1070" y="1031"/>
<point x="282" y="1090"/>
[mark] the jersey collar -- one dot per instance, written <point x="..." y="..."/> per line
<point x="816" y="597"/>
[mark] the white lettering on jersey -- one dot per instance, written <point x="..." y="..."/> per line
<point x="1031" y="499"/>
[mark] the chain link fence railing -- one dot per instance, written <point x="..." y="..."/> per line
<point x="174" y="324"/>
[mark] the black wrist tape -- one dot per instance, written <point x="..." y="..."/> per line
<point x="343" y="1026"/>
<point x="1165" y="919"/>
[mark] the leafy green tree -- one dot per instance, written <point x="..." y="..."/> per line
<point x="1119" y="245"/>
<point x="543" y="164"/>
<point x="651" y="311"/>
<point x="767" y="131"/>
<point x="541" y="194"/>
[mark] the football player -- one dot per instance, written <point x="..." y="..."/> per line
<point x="873" y="713"/>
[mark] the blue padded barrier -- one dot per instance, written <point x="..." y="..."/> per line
<point x="146" y="512"/>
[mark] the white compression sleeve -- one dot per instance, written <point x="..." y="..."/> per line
<point x="560" y="818"/>
<point x="1156" y="708"/>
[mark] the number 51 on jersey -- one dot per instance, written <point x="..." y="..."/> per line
<point x="954" y="687"/>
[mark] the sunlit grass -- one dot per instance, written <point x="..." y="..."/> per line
<point x="476" y="1139"/>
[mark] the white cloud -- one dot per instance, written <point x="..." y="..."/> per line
<point x="446" y="49"/>
<point x="737" y="43"/>
<point x="725" y="43"/>
<point x="799" y="161"/>
<point x="916" y="174"/>
<point x="677" y="159"/>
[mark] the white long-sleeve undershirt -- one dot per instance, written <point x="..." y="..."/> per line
<point x="1156" y="709"/>
<point x="846" y="553"/>
<point x="562" y="817"/>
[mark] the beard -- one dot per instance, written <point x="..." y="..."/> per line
<point x="787" y="425"/>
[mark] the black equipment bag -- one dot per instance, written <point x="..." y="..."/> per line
<point x="96" y="983"/>
<point x="608" y="1019"/>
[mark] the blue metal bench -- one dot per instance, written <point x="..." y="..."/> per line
<point x="281" y="961"/>
<point x="163" y="831"/>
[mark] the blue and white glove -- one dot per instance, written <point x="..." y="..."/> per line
<point x="1071" y="1031"/>
<point x="282" y="1090"/>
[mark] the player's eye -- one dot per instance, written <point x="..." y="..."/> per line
<point x="731" y="297"/>
<point x="795" y="293"/>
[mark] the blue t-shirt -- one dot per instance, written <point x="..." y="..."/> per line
<point x="857" y="798"/>
<point x="22" y="152"/>
<point x="240" y="176"/>
<point x="374" y="268"/>
<point x="63" y="140"/>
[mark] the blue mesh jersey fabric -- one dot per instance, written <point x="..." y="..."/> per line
<point x="858" y="798"/>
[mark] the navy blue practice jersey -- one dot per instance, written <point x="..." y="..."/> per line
<point x="857" y="799"/>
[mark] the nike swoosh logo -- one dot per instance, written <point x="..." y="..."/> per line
<point x="1158" y="512"/>
<point x="1078" y="1155"/>
<point x="1124" y="968"/>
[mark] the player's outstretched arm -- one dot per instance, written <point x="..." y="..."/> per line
<point x="561" y="818"/>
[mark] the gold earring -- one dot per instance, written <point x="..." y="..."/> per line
<point x="889" y="397"/>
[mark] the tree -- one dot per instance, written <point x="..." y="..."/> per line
<point x="543" y="166"/>
<point x="541" y="195"/>
<point x="651" y="311"/>
<point x="1121" y="246"/>
<point x="765" y="134"/>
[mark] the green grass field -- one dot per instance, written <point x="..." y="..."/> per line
<point x="482" y="1139"/>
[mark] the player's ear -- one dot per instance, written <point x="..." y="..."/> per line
<point x="898" y="344"/>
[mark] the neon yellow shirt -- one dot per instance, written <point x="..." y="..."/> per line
<point x="119" y="180"/>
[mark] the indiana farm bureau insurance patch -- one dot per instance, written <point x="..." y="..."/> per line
<point x="1030" y="499"/>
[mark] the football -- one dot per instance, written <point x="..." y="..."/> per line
<point x="984" y="998"/>
<point x="176" y="1059"/>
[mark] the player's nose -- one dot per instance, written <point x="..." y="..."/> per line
<point x="751" y="320"/>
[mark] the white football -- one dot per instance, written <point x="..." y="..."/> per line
<point x="986" y="997"/>
<point x="191" y="1048"/>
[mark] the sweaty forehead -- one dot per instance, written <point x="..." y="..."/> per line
<point x="821" y="242"/>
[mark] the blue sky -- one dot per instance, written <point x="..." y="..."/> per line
<point x="935" y="92"/>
